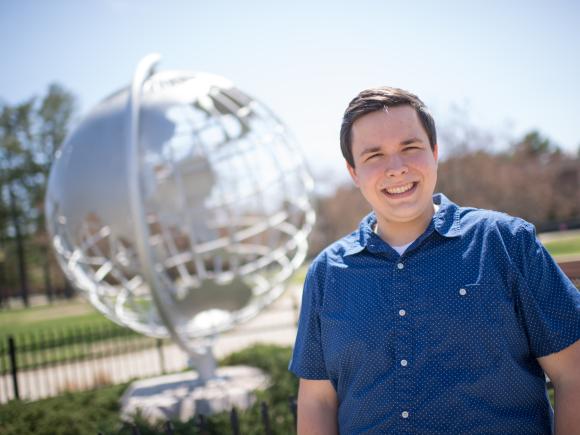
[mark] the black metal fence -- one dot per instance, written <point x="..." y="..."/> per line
<point x="34" y="366"/>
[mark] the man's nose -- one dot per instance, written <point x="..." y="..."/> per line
<point x="396" y="166"/>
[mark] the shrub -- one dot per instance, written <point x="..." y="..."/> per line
<point x="89" y="412"/>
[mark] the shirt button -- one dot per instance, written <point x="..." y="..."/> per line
<point x="404" y="362"/>
<point x="462" y="291"/>
<point x="402" y="313"/>
<point x="400" y="266"/>
<point x="405" y="414"/>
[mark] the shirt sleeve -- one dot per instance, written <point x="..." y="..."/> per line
<point x="307" y="357"/>
<point x="548" y="300"/>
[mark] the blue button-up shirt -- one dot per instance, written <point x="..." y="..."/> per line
<point x="444" y="338"/>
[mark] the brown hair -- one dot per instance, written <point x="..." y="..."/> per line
<point x="373" y="99"/>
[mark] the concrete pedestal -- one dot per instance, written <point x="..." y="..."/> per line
<point x="181" y="396"/>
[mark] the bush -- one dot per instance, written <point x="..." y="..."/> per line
<point x="89" y="412"/>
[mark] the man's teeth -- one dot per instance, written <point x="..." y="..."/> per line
<point x="400" y="189"/>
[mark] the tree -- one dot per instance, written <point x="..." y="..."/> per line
<point x="30" y="135"/>
<point x="53" y="119"/>
<point x="532" y="179"/>
<point x="533" y="145"/>
<point x="17" y="170"/>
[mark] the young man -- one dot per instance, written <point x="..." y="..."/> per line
<point x="431" y="318"/>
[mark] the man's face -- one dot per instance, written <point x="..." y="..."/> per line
<point x="395" y="168"/>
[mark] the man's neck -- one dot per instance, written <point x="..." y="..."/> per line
<point x="401" y="233"/>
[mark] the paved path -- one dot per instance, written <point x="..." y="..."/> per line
<point x="275" y="325"/>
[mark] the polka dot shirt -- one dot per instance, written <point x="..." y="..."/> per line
<point x="443" y="338"/>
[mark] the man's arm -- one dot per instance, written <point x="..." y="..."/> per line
<point x="563" y="369"/>
<point x="317" y="408"/>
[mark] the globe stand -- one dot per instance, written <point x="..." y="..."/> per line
<point x="203" y="361"/>
<point x="181" y="396"/>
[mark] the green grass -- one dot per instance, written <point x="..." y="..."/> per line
<point x="60" y="315"/>
<point x="71" y="330"/>
<point x="567" y="246"/>
<point x="300" y="275"/>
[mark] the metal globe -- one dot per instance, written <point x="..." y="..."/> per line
<point x="179" y="205"/>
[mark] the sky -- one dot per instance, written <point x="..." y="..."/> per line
<point x="505" y="66"/>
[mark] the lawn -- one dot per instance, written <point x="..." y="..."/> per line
<point x="60" y="315"/>
<point x="564" y="246"/>
<point x="63" y="331"/>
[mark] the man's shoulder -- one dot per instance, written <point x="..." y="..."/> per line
<point x="330" y="262"/>
<point x="478" y="219"/>
<point x="336" y="251"/>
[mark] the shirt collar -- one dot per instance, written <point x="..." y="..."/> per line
<point x="446" y="222"/>
<point x="447" y="219"/>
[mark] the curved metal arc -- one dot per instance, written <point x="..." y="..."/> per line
<point x="203" y="361"/>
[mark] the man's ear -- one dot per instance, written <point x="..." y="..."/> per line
<point x="436" y="152"/>
<point x="353" y="175"/>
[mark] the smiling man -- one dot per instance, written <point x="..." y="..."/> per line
<point x="431" y="318"/>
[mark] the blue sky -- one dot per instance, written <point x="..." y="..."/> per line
<point x="511" y="65"/>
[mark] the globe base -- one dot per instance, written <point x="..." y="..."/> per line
<point x="184" y="395"/>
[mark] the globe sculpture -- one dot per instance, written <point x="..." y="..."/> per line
<point x="179" y="206"/>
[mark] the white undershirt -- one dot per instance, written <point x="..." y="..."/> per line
<point x="402" y="248"/>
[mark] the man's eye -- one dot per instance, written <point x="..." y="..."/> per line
<point x="372" y="156"/>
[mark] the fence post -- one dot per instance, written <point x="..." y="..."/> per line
<point x="292" y="405"/>
<point x="202" y="424"/>
<point x="168" y="428"/>
<point x="13" y="367"/>
<point x="266" y="418"/>
<point x="161" y="356"/>
<point x="235" y="422"/>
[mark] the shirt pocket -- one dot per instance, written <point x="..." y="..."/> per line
<point x="464" y="332"/>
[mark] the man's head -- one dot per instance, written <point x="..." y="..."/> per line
<point x="374" y="99"/>
<point x="388" y="139"/>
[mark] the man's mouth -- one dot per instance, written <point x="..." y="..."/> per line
<point x="399" y="190"/>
